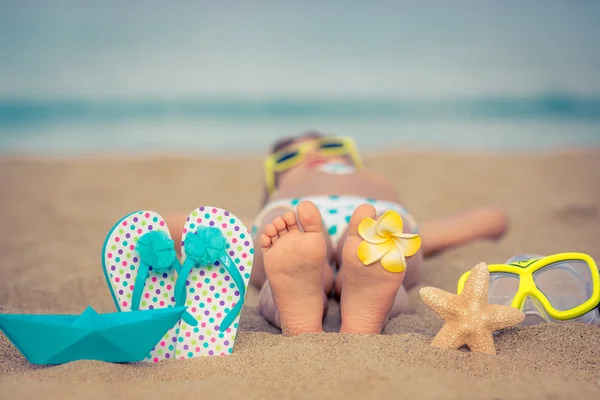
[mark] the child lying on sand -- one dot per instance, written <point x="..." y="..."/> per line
<point x="317" y="193"/>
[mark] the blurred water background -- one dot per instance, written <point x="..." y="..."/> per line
<point x="88" y="77"/>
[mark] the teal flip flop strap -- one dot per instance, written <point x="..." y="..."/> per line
<point x="206" y="247"/>
<point x="230" y="266"/>
<point x="156" y="250"/>
<point x="181" y="290"/>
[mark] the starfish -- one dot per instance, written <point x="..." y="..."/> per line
<point x="469" y="318"/>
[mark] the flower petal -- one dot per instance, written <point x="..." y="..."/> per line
<point x="370" y="253"/>
<point x="389" y="224"/>
<point x="409" y="244"/>
<point x="394" y="260"/>
<point x="367" y="229"/>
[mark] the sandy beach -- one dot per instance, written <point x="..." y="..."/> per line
<point x="56" y="212"/>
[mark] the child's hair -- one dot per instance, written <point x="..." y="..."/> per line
<point x="284" y="142"/>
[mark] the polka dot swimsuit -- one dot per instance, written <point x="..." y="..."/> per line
<point x="336" y="212"/>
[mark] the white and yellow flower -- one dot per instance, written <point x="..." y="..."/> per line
<point x="385" y="242"/>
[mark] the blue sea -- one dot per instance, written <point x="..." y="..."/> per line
<point x="84" y="77"/>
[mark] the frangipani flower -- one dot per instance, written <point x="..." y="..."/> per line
<point x="385" y="242"/>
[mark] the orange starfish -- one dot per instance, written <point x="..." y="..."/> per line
<point x="469" y="318"/>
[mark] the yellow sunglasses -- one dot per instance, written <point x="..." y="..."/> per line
<point x="292" y="155"/>
<point x="567" y="285"/>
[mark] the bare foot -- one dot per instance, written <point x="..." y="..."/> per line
<point x="295" y="259"/>
<point x="368" y="292"/>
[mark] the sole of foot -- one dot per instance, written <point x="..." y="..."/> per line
<point x="368" y="292"/>
<point x="295" y="257"/>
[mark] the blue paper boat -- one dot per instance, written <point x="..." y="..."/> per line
<point x="113" y="337"/>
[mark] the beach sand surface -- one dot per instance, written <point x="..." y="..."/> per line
<point x="55" y="214"/>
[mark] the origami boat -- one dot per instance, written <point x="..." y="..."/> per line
<point x="119" y="337"/>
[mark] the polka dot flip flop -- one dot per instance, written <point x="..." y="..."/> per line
<point x="218" y="253"/>
<point x="139" y="263"/>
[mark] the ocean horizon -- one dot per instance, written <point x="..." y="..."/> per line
<point x="67" y="127"/>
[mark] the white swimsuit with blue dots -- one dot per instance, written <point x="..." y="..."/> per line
<point x="336" y="212"/>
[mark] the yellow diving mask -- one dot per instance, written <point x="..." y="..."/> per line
<point x="292" y="155"/>
<point x="559" y="287"/>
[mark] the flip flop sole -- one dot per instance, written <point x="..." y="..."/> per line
<point x="211" y="290"/>
<point x="121" y="262"/>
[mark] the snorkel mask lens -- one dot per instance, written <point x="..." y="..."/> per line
<point x="566" y="285"/>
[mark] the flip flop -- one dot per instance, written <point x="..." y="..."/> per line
<point x="218" y="253"/>
<point x="139" y="263"/>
